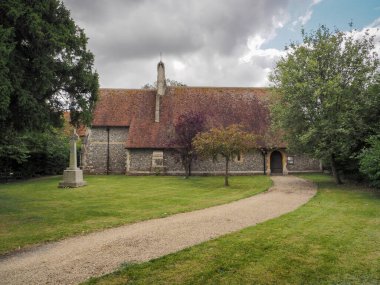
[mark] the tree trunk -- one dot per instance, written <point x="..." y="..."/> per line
<point x="190" y="168"/>
<point x="186" y="171"/>
<point x="334" y="170"/>
<point x="185" y="166"/>
<point x="226" y="174"/>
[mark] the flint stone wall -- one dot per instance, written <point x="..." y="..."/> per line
<point x="303" y="163"/>
<point x="140" y="162"/>
<point x="95" y="157"/>
<point x="249" y="163"/>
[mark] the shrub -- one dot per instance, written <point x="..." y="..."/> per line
<point x="35" y="154"/>
<point x="370" y="161"/>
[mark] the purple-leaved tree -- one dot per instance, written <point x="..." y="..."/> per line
<point x="187" y="127"/>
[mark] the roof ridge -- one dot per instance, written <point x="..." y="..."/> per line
<point x="220" y="87"/>
<point x="135" y="89"/>
<point x="187" y="87"/>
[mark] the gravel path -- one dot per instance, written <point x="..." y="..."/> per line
<point x="73" y="260"/>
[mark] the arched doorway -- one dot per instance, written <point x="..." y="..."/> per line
<point x="276" y="162"/>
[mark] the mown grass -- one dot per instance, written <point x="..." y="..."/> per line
<point x="36" y="211"/>
<point x="333" y="239"/>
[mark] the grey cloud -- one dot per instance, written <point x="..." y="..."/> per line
<point x="140" y="28"/>
<point x="203" y="34"/>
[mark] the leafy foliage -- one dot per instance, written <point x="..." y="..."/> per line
<point x="46" y="63"/>
<point x="35" y="154"/>
<point x="322" y="96"/>
<point x="13" y="149"/>
<point x="49" y="153"/>
<point x="169" y="82"/>
<point x="370" y="161"/>
<point x="228" y="142"/>
<point x="6" y="46"/>
<point x="45" y="69"/>
<point x="186" y="128"/>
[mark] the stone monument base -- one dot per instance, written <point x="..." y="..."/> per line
<point x="72" y="178"/>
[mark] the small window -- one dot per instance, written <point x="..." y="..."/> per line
<point x="291" y="160"/>
<point x="158" y="159"/>
<point x="239" y="157"/>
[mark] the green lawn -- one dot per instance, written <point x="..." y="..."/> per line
<point x="333" y="239"/>
<point x="36" y="211"/>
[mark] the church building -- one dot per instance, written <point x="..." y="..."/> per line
<point x="133" y="129"/>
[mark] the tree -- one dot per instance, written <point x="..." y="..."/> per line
<point x="48" y="153"/>
<point x="36" y="153"/>
<point x="370" y="121"/>
<point x="228" y="142"/>
<point x="169" y="82"/>
<point x="370" y="161"/>
<point x="321" y="93"/>
<point x="45" y="69"/>
<point x="186" y="128"/>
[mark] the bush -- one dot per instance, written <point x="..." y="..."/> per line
<point x="35" y="154"/>
<point x="370" y="161"/>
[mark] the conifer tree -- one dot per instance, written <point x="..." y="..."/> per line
<point x="45" y="69"/>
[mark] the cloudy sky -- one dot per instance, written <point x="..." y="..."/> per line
<point x="205" y="42"/>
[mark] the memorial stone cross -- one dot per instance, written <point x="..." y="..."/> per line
<point x="73" y="176"/>
<point x="73" y="150"/>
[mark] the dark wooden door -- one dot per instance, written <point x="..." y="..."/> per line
<point x="276" y="162"/>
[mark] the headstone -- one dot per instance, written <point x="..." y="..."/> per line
<point x="73" y="176"/>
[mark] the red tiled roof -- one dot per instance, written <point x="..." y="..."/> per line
<point x="222" y="107"/>
<point x="117" y="107"/>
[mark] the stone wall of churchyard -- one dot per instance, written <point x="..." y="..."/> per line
<point x="302" y="163"/>
<point x="95" y="150"/>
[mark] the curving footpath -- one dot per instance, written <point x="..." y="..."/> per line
<point x="74" y="260"/>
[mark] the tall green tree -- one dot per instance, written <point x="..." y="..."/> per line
<point x="227" y="142"/>
<point x="45" y="69"/>
<point x="321" y="94"/>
